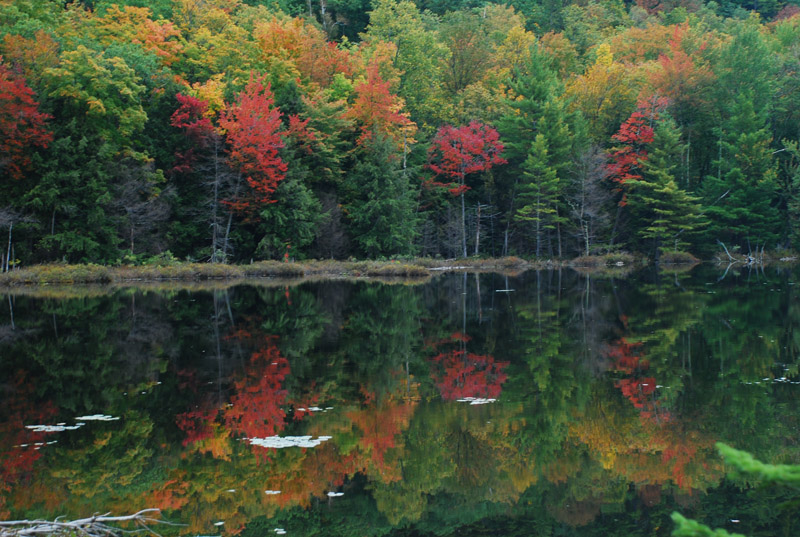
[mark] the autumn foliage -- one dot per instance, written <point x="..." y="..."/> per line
<point x="459" y="151"/>
<point x="378" y="111"/>
<point x="22" y="126"/>
<point x="254" y="135"/>
<point x="634" y="136"/>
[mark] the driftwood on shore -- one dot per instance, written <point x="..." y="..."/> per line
<point x="95" y="526"/>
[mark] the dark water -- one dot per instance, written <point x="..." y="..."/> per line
<point x="544" y="404"/>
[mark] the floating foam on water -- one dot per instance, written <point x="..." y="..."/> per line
<point x="314" y="409"/>
<point x="280" y="442"/>
<point x="476" y="400"/>
<point x="97" y="417"/>
<point x="272" y="492"/>
<point x="53" y="428"/>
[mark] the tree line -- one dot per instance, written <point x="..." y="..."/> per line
<point x="238" y="130"/>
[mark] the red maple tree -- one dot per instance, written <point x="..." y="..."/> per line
<point x="459" y="151"/>
<point x="190" y="117"/>
<point x="635" y="134"/>
<point x="255" y="136"/>
<point x="22" y="126"/>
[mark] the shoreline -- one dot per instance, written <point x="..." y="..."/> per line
<point x="413" y="269"/>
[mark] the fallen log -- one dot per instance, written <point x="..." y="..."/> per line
<point x="95" y="526"/>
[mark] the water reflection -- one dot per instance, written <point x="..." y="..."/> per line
<point x="552" y="402"/>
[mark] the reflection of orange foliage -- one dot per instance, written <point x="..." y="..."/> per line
<point x="310" y="473"/>
<point x="381" y="426"/>
<point x="20" y="408"/>
<point x="171" y="495"/>
<point x="461" y="374"/>
<point x="649" y="452"/>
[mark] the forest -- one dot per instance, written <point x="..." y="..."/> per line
<point x="238" y="130"/>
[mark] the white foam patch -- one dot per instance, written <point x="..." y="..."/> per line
<point x="476" y="400"/>
<point x="272" y="492"/>
<point x="97" y="417"/>
<point x="335" y="494"/>
<point x="280" y="442"/>
<point x="53" y="428"/>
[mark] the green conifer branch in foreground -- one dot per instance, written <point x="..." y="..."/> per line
<point x="742" y="463"/>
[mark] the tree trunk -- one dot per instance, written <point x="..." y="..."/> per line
<point x="463" y="227"/>
<point x="215" y="203"/>
<point x="558" y="234"/>
<point x="8" y="255"/>
<point x="478" y="230"/>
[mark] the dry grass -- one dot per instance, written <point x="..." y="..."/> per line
<point x="677" y="258"/>
<point x="58" y="274"/>
<point x="393" y="271"/>
<point x="608" y="260"/>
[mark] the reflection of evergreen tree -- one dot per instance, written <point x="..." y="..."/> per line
<point x="560" y="447"/>
<point x="380" y="337"/>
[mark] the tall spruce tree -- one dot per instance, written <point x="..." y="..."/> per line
<point x="539" y="192"/>
<point x="741" y="198"/>
<point x="539" y="136"/>
<point x="380" y="203"/>
<point x="661" y="212"/>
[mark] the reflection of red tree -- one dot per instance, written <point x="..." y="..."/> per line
<point x="20" y="408"/>
<point x="197" y="424"/>
<point x="257" y="407"/>
<point x="627" y="359"/>
<point x="461" y="374"/>
<point x="257" y="410"/>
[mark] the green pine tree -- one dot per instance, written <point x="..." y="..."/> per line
<point x="539" y="192"/>
<point x="661" y="212"/>
<point x="379" y="201"/>
<point x="741" y="198"/>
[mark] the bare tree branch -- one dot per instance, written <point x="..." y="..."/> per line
<point x="95" y="526"/>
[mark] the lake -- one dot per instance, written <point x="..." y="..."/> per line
<point x="545" y="403"/>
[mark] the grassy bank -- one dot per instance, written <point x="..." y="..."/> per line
<point x="414" y="269"/>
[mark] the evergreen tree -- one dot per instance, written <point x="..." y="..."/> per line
<point x="538" y="112"/>
<point x="662" y="212"/>
<point x="380" y="203"/>
<point x="740" y="198"/>
<point x="539" y="192"/>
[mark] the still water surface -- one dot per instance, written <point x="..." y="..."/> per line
<point x="549" y="403"/>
